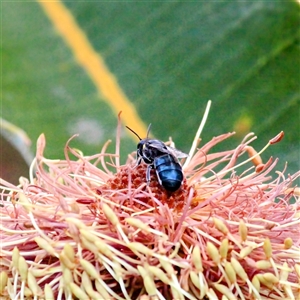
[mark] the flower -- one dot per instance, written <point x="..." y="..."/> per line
<point x="77" y="229"/>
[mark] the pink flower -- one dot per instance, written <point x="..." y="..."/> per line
<point x="76" y="229"/>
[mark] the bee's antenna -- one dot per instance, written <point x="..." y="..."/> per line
<point x="134" y="132"/>
<point x="148" y="130"/>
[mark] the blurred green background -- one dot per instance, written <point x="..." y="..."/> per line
<point x="169" y="58"/>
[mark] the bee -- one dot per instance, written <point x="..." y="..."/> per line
<point x="163" y="159"/>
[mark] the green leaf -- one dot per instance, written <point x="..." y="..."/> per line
<point x="168" y="58"/>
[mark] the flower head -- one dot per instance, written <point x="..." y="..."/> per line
<point x="76" y="229"/>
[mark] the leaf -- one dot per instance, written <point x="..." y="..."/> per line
<point x="168" y="59"/>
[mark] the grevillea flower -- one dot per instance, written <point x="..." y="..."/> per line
<point x="90" y="228"/>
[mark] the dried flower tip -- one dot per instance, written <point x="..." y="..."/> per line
<point x="224" y="291"/>
<point x="256" y="284"/>
<point x="288" y="291"/>
<point x="297" y="191"/>
<point x="297" y="269"/>
<point x="143" y="272"/>
<point x="213" y="252"/>
<point x="15" y="257"/>
<point x="269" y="225"/>
<point x="246" y="251"/>
<point x="277" y="138"/>
<point x="24" y="201"/>
<point x="103" y="248"/>
<point x="88" y="245"/>
<point x="87" y="284"/>
<point x="102" y="291"/>
<point x="148" y="281"/>
<point x="259" y="168"/>
<point x="32" y="284"/>
<point x="48" y="292"/>
<point x="89" y="268"/>
<point x="230" y="272"/>
<point x="288" y="243"/>
<point x="157" y="272"/>
<point x="135" y="222"/>
<point x="196" y="259"/>
<point x="210" y="293"/>
<point x="256" y="160"/>
<point x="69" y="252"/>
<point x="88" y="235"/>
<point x="195" y="280"/>
<point x="78" y="292"/>
<point x="294" y="191"/>
<point x="23" y="268"/>
<point x="27" y="293"/>
<point x="67" y="276"/>
<point x="119" y="271"/>
<point x="110" y="215"/>
<point x="284" y="272"/>
<point x="264" y="281"/>
<point x="139" y="247"/>
<point x="267" y="248"/>
<point x="93" y="294"/>
<point x="78" y="223"/>
<point x="39" y="272"/>
<point x="263" y="264"/>
<point x="43" y="244"/>
<point x="3" y="281"/>
<point x="10" y="289"/>
<point x="66" y="261"/>
<point x="74" y="207"/>
<point x="220" y="226"/>
<point x="167" y="266"/>
<point x="239" y="269"/>
<point x="224" y="248"/>
<point x="270" y="277"/>
<point x="176" y="294"/>
<point x="243" y="230"/>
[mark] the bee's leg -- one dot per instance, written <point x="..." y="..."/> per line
<point x="149" y="167"/>
<point x="138" y="162"/>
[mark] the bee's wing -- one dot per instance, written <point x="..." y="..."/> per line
<point x="159" y="145"/>
<point x="176" y="153"/>
<point x="162" y="147"/>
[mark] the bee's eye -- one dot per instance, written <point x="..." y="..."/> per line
<point x="140" y="146"/>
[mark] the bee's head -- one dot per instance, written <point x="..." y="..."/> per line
<point x="142" y="148"/>
<point x="143" y="151"/>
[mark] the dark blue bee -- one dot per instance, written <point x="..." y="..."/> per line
<point x="163" y="159"/>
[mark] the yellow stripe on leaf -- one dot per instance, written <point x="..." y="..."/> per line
<point x="92" y="63"/>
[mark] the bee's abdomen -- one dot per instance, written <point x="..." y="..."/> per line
<point x="169" y="172"/>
